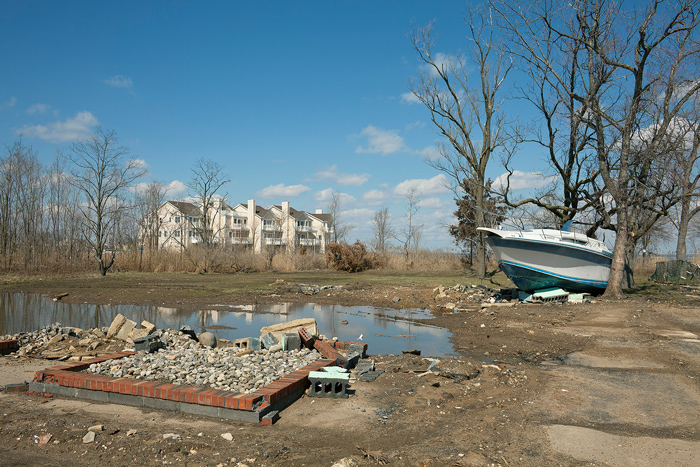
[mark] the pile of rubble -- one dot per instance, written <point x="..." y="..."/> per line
<point x="473" y="297"/>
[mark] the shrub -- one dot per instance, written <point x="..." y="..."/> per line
<point x="351" y="258"/>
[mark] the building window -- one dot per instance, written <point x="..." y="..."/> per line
<point x="177" y="233"/>
<point x="177" y="219"/>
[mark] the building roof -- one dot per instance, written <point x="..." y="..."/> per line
<point x="185" y="207"/>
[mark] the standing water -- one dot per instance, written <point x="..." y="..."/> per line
<point x="385" y="330"/>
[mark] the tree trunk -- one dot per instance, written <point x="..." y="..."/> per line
<point x="681" y="251"/>
<point x="480" y="245"/>
<point x="628" y="279"/>
<point x="617" y="268"/>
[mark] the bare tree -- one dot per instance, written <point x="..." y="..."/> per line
<point x="147" y="203"/>
<point x="637" y="70"/>
<point x="687" y="179"/>
<point x="560" y="91"/>
<point x="207" y="180"/>
<point x="101" y="174"/>
<point x="409" y="236"/>
<point x="339" y="230"/>
<point x="467" y="116"/>
<point x="383" y="231"/>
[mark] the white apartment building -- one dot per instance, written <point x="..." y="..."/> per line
<point x="180" y="225"/>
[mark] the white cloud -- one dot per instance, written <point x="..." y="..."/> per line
<point x="430" y="152"/>
<point x="432" y="203"/>
<point x="176" y="189"/>
<point x="72" y="129"/>
<point x="520" y="180"/>
<point x="443" y="61"/>
<point x="424" y="186"/>
<point x="140" y="163"/>
<point x="326" y="173"/>
<point x="120" y="81"/>
<point x="380" y="141"/>
<point x="360" y="215"/>
<point x="11" y="102"/>
<point x="38" y="109"/>
<point x="324" y="195"/>
<point x="282" y="191"/>
<point x="409" y="98"/>
<point x="374" y="196"/>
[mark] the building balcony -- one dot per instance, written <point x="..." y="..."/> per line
<point x="309" y="242"/>
<point x="275" y="241"/>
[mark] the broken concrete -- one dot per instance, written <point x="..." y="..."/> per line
<point x="290" y="327"/>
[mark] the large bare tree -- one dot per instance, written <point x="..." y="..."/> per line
<point x="338" y="228"/>
<point x="382" y="228"/>
<point x="636" y="68"/>
<point x="147" y="202"/>
<point x="463" y="94"/>
<point x="101" y="173"/>
<point x="206" y="182"/>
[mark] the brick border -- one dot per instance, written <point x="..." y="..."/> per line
<point x="261" y="406"/>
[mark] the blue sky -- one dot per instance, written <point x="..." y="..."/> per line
<point x="295" y="99"/>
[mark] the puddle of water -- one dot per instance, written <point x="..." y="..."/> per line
<point x="385" y="330"/>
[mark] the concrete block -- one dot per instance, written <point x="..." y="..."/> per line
<point x="149" y="327"/>
<point x="364" y="366"/>
<point x="242" y="344"/>
<point x="116" y="325"/>
<point x="268" y="340"/>
<point x="370" y="376"/>
<point x="247" y="343"/>
<point x="137" y="334"/>
<point x="332" y="385"/>
<point x="125" y="330"/>
<point x="149" y="343"/>
<point x="290" y="341"/>
<point x="358" y="348"/>
<point x="351" y="360"/>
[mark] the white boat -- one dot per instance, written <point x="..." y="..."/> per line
<point x="544" y="258"/>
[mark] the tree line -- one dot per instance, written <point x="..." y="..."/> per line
<point x="613" y="89"/>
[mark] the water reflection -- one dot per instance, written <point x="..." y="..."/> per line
<point x="30" y="312"/>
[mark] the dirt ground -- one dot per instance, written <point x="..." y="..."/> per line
<point x="604" y="384"/>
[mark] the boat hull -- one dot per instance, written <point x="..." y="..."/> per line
<point x="532" y="265"/>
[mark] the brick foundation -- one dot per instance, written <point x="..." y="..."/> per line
<point x="261" y="406"/>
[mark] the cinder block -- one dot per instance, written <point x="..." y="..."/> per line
<point x="148" y="344"/>
<point x="351" y="360"/>
<point x="358" y="348"/>
<point x="247" y="343"/>
<point x="291" y="341"/>
<point x="268" y="340"/>
<point x="328" y="384"/>
<point x="370" y="376"/>
<point x="364" y="366"/>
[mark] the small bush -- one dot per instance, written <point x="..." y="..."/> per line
<point x="351" y="258"/>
